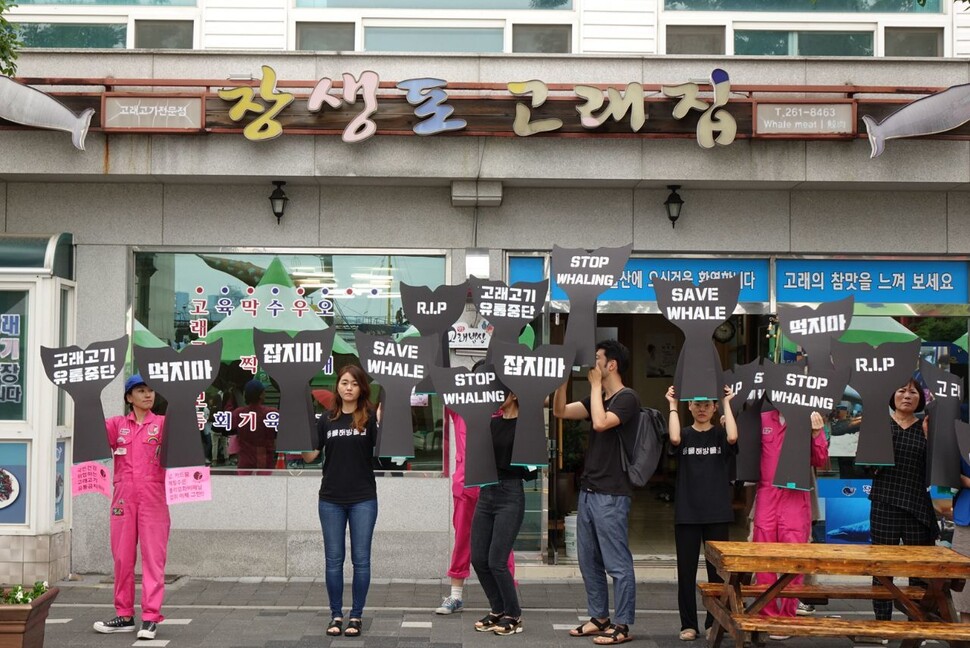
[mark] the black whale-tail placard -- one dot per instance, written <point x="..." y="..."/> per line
<point x="531" y="375"/>
<point x="180" y="377"/>
<point x="292" y="362"/>
<point x="814" y="329"/>
<point x="433" y="312"/>
<point x="507" y="308"/>
<point x="584" y="276"/>
<point x="941" y="438"/>
<point x="796" y="395"/>
<point x="698" y="310"/>
<point x="876" y="373"/>
<point x="399" y="366"/>
<point x="475" y="396"/>
<point x="84" y="374"/>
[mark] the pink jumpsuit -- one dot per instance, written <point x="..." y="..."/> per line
<point x="781" y="514"/>
<point x="139" y="513"/>
<point x="465" y="500"/>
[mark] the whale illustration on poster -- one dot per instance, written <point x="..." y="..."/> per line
<point x="292" y="362"/>
<point x="796" y="394"/>
<point x="507" y="308"/>
<point x="84" y="374"/>
<point x="531" y="374"/>
<point x="180" y="376"/>
<point x="398" y="366"/>
<point x="876" y="372"/>
<point x="28" y="106"/>
<point x="814" y="328"/>
<point x="584" y="276"/>
<point x="697" y="310"/>
<point x="936" y="113"/>
<point x="475" y="396"/>
<point x="941" y="438"/>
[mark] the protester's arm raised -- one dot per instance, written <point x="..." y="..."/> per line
<point x="570" y="411"/>
<point x="673" y="423"/>
<point x="730" y="425"/>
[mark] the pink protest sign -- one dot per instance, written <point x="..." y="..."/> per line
<point x="90" y="477"/>
<point x="192" y="484"/>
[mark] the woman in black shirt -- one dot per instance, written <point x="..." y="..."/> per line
<point x="348" y="493"/>
<point x="498" y="518"/>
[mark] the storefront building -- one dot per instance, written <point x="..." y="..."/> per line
<point x="162" y="220"/>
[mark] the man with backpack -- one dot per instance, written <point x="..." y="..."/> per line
<point x="602" y="539"/>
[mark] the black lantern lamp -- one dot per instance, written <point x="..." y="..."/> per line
<point x="673" y="204"/>
<point x="278" y="200"/>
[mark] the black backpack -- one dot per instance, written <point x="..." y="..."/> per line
<point x="641" y="461"/>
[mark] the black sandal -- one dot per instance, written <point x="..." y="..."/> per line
<point x="579" y="631"/>
<point x="335" y="628"/>
<point x="353" y="628"/>
<point x="487" y="623"/>
<point x="617" y="634"/>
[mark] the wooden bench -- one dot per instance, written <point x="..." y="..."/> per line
<point x="827" y="627"/>
<point x="818" y="594"/>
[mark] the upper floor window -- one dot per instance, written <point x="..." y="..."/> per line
<point x="163" y="34"/>
<point x="73" y="35"/>
<point x="438" y="4"/>
<point x="434" y="39"/>
<point x="914" y="41"/>
<point x="325" y="37"/>
<point x="542" y="39"/>
<point x="805" y="6"/>
<point x="695" y="39"/>
<point x="154" y="3"/>
<point x="802" y="43"/>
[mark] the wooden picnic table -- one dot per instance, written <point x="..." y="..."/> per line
<point x="930" y="610"/>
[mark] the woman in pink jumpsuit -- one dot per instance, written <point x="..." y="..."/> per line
<point x="139" y="512"/>
<point x="783" y="514"/>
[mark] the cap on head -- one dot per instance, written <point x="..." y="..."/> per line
<point x="134" y="381"/>
<point x="253" y="389"/>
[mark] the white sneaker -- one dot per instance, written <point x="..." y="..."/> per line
<point x="779" y="637"/>
<point x="148" y="629"/>
<point x="449" y="605"/>
<point x="805" y="609"/>
<point x="870" y="641"/>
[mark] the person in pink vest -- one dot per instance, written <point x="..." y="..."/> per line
<point x="465" y="500"/>
<point x="783" y="514"/>
<point x="139" y="512"/>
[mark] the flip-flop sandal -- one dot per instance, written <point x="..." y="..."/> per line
<point x="335" y="628"/>
<point x="616" y="634"/>
<point x="580" y="630"/>
<point x="353" y="628"/>
<point x="687" y="634"/>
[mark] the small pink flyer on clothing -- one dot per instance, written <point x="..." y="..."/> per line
<point x="191" y="484"/>
<point x="90" y="477"/>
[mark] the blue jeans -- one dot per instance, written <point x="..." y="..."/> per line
<point x="603" y="545"/>
<point x="498" y="518"/>
<point x="334" y="518"/>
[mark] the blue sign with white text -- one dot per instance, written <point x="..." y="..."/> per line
<point x="892" y="282"/>
<point x="636" y="282"/>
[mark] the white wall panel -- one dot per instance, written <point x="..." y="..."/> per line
<point x="244" y="24"/>
<point x="619" y="26"/>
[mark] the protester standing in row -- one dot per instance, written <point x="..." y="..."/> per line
<point x="961" y="536"/>
<point x="702" y="501"/>
<point x="347" y="436"/>
<point x="139" y="511"/>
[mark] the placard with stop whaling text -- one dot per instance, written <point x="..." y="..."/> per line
<point x="180" y="377"/>
<point x="813" y="329"/>
<point x="698" y="310"/>
<point x="475" y="396"/>
<point x="944" y="411"/>
<point x="796" y="394"/>
<point x="398" y="366"/>
<point x="292" y="362"/>
<point x="584" y="276"/>
<point x="84" y="374"/>
<point x="876" y="373"/>
<point x="531" y="375"/>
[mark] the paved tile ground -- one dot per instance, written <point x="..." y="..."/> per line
<point x="290" y="613"/>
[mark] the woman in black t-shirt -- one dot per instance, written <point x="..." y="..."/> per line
<point x="498" y="518"/>
<point x="702" y="503"/>
<point x="348" y="493"/>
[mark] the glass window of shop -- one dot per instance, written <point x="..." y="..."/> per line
<point x="13" y="354"/>
<point x="163" y="34"/>
<point x="325" y="37"/>
<point x="914" y="41"/>
<point x="437" y="4"/>
<point x="186" y="298"/>
<point x="73" y="35"/>
<point x="756" y="42"/>
<point x="695" y="39"/>
<point x="434" y="39"/>
<point x="542" y="39"/>
<point x="813" y="7"/>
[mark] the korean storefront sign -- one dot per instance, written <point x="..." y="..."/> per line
<point x="636" y="281"/>
<point x="148" y="111"/>
<point x="876" y="281"/>
<point x="13" y="354"/>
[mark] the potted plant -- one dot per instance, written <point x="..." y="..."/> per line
<point x="23" y="615"/>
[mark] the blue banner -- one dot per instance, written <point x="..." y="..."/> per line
<point x="893" y="282"/>
<point x="636" y="282"/>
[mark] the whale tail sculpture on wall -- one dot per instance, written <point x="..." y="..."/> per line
<point x="936" y="113"/>
<point x="28" y="106"/>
